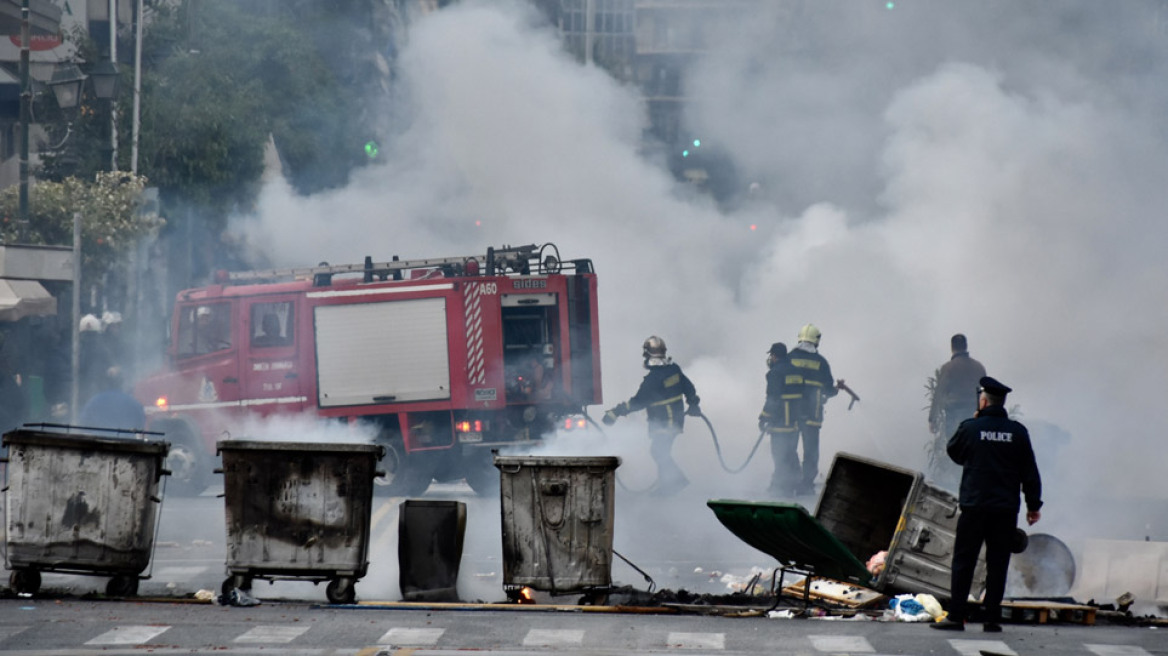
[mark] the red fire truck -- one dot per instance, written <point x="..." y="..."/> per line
<point x="442" y="359"/>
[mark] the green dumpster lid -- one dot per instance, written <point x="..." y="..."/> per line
<point x="792" y="536"/>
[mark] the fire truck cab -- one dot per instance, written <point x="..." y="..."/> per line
<point x="442" y="360"/>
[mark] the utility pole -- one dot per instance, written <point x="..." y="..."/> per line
<point x="25" y="117"/>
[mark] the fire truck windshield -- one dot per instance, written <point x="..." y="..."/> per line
<point x="203" y="329"/>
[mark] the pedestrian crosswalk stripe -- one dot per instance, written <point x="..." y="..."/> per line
<point x="697" y="640"/>
<point x="840" y="644"/>
<point x="128" y="635"/>
<point x="1116" y="650"/>
<point x="271" y="633"/>
<point x="552" y="637"/>
<point x="411" y="637"/>
<point x="976" y="647"/>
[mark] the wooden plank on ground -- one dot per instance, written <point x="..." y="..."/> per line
<point x="836" y="592"/>
<point x="1043" y="612"/>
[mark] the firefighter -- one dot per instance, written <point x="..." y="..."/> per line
<point x="955" y="399"/>
<point x="997" y="463"/>
<point x="94" y="357"/>
<point x="807" y="385"/>
<point x="774" y="420"/>
<point x="660" y="395"/>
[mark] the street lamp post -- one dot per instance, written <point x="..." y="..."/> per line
<point x="105" y="87"/>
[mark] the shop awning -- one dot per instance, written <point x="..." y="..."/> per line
<point x="25" y="298"/>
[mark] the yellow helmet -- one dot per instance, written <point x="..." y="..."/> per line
<point x="809" y="333"/>
<point x="654" y="347"/>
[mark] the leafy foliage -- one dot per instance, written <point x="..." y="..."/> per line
<point x="110" y="221"/>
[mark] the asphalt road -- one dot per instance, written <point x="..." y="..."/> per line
<point x="76" y="627"/>
<point x="677" y="543"/>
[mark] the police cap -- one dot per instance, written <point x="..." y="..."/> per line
<point x="990" y="385"/>
<point x="778" y="349"/>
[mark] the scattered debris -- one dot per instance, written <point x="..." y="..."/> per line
<point x="237" y="597"/>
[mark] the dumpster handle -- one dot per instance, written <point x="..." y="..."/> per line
<point x="547" y="550"/>
<point x="157" y="526"/>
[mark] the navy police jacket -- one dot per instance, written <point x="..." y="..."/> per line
<point x="997" y="462"/>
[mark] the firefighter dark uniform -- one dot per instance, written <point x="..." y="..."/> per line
<point x="807" y="384"/>
<point x="997" y="463"/>
<point x="775" y="421"/>
<point x="663" y="395"/>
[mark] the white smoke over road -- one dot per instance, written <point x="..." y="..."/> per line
<point x="992" y="168"/>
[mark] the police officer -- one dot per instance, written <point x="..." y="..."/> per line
<point x="775" y="421"/>
<point x="997" y="462"/>
<point x="660" y="395"/>
<point x="808" y="384"/>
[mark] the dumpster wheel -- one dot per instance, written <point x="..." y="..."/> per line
<point x="237" y="581"/>
<point x="25" y="581"/>
<point x="341" y="591"/>
<point x="122" y="586"/>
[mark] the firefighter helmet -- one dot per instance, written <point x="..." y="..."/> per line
<point x="90" y="323"/>
<point x="809" y="333"/>
<point x="654" y="347"/>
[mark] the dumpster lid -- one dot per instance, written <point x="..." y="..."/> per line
<point x="610" y="462"/>
<point x="48" y="435"/>
<point x="261" y="445"/>
<point x="792" y="536"/>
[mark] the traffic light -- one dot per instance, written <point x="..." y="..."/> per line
<point x="371" y="149"/>
<point x="697" y="143"/>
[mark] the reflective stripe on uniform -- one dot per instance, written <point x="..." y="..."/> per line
<point x="669" y="400"/>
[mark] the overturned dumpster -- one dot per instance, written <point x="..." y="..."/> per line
<point x="298" y="511"/>
<point x="866" y="507"/>
<point x="81" y="501"/>
<point x="557" y="515"/>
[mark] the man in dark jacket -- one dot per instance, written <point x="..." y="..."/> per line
<point x="954" y="401"/>
<point x="660" y="395"/>
<point x="955" y="395"/>
<point x="997" y="463"/>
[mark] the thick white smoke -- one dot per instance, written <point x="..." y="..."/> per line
<point x="930" y="170"/>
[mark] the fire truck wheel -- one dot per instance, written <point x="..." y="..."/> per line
<point x="481" y="475"/>
<point x="405" y="476"/>
<point x="187" y="463"/>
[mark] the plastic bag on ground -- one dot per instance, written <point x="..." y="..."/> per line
<point x="930" y="604"/>
<point x="907" y="609"/>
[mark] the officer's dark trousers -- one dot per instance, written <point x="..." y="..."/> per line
<point x="670" y="478"/>
<point x="994" y="528"/>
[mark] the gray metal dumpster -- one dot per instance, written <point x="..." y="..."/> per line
<point x="81" y="503"/>
<point x="870" y="506"/>
<point x="557" y="523"/>
<point x="298" y="511"/>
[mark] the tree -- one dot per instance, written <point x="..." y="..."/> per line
<point x="110" y="227"/>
